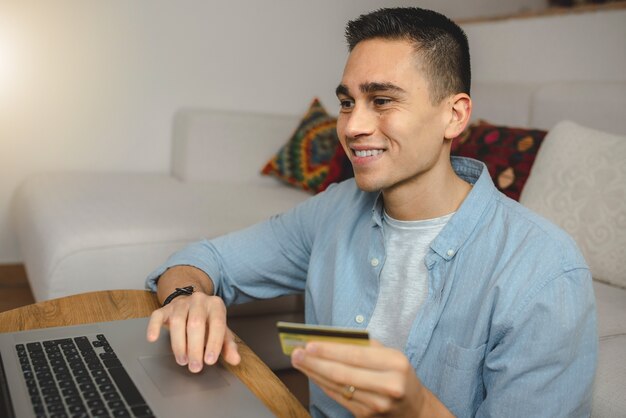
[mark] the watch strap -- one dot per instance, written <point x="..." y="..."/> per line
<point x="180" y="291"/>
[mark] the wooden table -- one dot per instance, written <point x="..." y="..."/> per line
<point x="125" y="304"/>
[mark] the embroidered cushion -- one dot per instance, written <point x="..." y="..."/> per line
<point x="507" y="152"/>
<point x="312" y="158"/>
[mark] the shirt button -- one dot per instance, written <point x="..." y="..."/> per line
<point x="374" y="262"/>
<point x="359" y="319"/>
<point x="450" y="253"/>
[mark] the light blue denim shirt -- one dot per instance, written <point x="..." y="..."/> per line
<point x="508" y="328"/>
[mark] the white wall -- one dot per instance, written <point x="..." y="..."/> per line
<point x="92" y="85"/>
<point x="573" y="47"/>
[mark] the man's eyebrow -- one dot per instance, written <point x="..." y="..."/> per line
<point x="380" y="87"/>
<point x="369" y="88"/>
<point x="342" y="90"/>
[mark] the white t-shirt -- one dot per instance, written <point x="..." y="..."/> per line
<point x="403" y="279"/>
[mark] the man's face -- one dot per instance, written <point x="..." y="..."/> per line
<point x="387" y="124"/>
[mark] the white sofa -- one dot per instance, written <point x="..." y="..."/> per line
<point x="89" y="231"/>
<point x="81" y="232"/>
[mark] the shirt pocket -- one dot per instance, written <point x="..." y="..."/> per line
<point x="461" y="386"/>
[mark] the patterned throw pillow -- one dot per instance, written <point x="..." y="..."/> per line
<point x="312" y="158"/>
<point x="507" y="152"/>
<point x="339" y="168"/>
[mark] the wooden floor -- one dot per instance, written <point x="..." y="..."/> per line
<point x="15" y="292"/>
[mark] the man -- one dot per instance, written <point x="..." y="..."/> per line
<point x="477" y="306"/>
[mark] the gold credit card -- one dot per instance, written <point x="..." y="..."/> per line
<point x="293" y="335"/>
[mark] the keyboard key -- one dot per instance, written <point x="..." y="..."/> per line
<point x="55" y="407"/>
<point x="83" y="344"/>
<point x="126" y="386"/>
<point x="73" y="400"/>
<point x="50" y="390"/>
<point x="64" y="379"/>
<point x="106" y="388"/>
<point x="106" y="356"/>
<point x="91" y="394"/>
<point x="69" y="391"/>
<point x="77" y="408"/>
<point x="83" y="379"/>
<point x="120" y="413"/>
<point x="99" y="412"/>
<point x="95" y="403"/>
<point x="102" y="380"/>
<point x="34" y="347"/>
<point x="142" y="411"/>
<point x="51" y="399"/>
<point x="112" y="363"/>
<point x="118" y="404"/>
<point x="111" y="396"/>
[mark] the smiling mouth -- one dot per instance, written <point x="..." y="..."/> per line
<point x="367" y="153"/>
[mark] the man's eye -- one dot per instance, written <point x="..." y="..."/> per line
<point x="346" y="104"/>
<point x="382" y="101"/>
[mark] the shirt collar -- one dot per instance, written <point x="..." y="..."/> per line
<point x="460" y="226"/>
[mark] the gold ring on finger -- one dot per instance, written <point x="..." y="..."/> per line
<point x="348" y="392"/>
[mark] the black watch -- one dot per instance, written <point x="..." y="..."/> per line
<point x="180" y="291"/>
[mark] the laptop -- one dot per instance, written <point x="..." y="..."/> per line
<point x="109" y="369"/>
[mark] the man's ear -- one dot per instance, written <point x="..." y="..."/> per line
<point x="461" y="111"/>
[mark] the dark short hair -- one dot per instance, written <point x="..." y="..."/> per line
<point x="439" y="41"/>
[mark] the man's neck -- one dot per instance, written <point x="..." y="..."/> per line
<point x="430" y="196"/>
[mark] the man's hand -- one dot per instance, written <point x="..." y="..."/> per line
<point x="368" y="381"/>
<point x="197" y="323"/>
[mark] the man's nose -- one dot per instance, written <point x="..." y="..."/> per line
<point x="361" y="122"/>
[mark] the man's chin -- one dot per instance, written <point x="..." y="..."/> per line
<point x="367" y="185"/>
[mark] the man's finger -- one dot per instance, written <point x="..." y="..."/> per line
<point x="360" y="401"/>
<point x="154" y="325"/>
<point x="178" y="340"/>
<point x="375" y="380"/>
<point x="217" y="332"/>
<point x="230" y="351"/>
<point x="196" y="335"/>
<point x="375" y="356"/>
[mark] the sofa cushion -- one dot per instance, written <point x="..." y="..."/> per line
<point x="608" y="397"/>
<point x="97" y="231"/>
<point x="611" y="309"/>
<point x="304" y="160"/>
<point x="508" y="152"/>
<point x="577" y="181"/>
<point x="609" y="400"/>
<point x="225" y="146"/>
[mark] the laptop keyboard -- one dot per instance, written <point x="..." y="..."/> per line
<point x="79" y="377"/>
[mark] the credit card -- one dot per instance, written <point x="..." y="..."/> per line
<point x="293" y="335"/>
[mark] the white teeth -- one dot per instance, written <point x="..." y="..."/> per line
<point x="368" y="153"/>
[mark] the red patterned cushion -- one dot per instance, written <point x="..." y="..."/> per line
<point x="507" y="152"/>
<point x="312" y="158"/>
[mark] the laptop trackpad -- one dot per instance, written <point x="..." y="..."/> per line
<point x="172" y="379"/>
